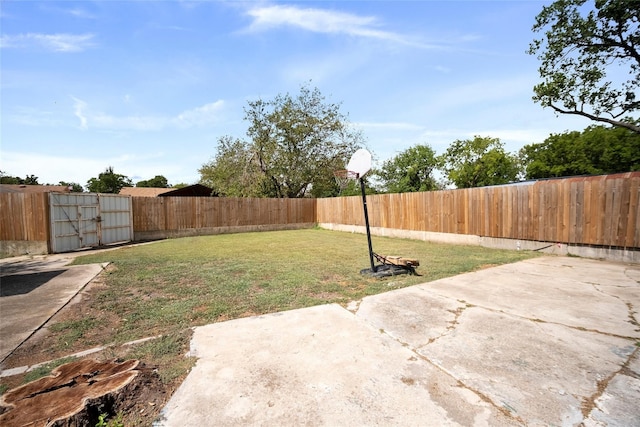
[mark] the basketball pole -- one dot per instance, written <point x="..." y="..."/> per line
<point x="366" y="221"/>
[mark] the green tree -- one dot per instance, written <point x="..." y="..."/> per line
<point x="411" y="170"/>
<point x="579" y="47"/>
<point x="31" y="180"/>
<point x="108" y="182"/>
<point x="7" y="179"/>
<point x="157" y="181"/>
<point x="75" y="187"/>
<point x="28" y="180"/>
<point x="596" y="150"/>
<point x="295" y="144"/>
<point x="479" y="162"/>
<point x="234" y="171"/>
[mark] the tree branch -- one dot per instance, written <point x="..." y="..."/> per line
<point x="595" y="118"/>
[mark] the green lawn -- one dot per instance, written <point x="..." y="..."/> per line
<point x="167" y="286"/>
<point x="164" y="288"/>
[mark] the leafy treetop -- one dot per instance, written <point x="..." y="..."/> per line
<point x="577" y="53"/>
<point x="479" y="162"/>
<point x="108" y="182"/>
<point x="295" y="144"/>
<point x="596" y="150"/>
<point x="410" y="171"/>
<point x="158" y="181"/>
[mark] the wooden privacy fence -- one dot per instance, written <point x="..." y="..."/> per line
<point x="24" y="216"/>
<point x="153" y="215"/>
<point x="600" y="210"/>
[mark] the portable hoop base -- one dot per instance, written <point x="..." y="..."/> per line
<point x="384" y="270"/>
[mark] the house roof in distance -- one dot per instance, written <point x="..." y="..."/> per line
<point x="195" y="190"/>
<point x="143" y="191"/>
<point x="24" y="188"/>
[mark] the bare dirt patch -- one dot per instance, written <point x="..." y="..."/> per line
<point x="137" y="404"/>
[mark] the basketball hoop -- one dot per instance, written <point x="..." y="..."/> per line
<point x="343" y="176"/>
<point x="357" y="167"/>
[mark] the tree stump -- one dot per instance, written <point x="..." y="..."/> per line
<point x="74" y="394"/>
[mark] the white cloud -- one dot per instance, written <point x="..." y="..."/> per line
<point x="200" y="116"/>
<point x="81" y="13"/>
<point x="53" y="42"/>
<point x="27" y="116"/>
<point x="204" y="115"/>
<point x="79" y="107"/>
<point x="324" y="21"/>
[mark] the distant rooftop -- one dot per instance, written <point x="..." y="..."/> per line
<point x="195" y="190"/>
<point x="143" y="191"/>
<point x="24" y="188"/>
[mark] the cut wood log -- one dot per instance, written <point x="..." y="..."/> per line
<point x="57" y="398"/>
<point x="398" y="260"/>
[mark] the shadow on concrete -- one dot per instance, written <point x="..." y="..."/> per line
<point x="20" y="284"/>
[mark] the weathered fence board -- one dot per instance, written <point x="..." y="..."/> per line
<point x="182" y="213"/>
<point x="600" y="210"/>
<point x="23" y="216"/>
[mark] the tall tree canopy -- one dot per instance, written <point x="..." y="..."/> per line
<point x="108" y="182"/>
<point x="75" y="187"/>
<point x="409" y="171"/>
<point x="157" y="181"/>
<point x="28" y="180"/>
<point x="596" y="150"/>
<point x="479" y="162"/>
<point x="234" y="172"/>
<point x="295" y="144"/>
<point x="582" y="42"/>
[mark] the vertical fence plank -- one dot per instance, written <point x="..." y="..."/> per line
<point x="633" y="225"/>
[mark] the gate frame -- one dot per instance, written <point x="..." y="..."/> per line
<point x="73" y="213"/>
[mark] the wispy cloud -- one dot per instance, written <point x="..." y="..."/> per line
<point x="78" y="110"/>
<point x="27" y="116"/>
<point x="200" y="116"/>
<point x="54" y="42"/>
<point x="324" y="21"/>
<point x="204" y="115"/>
<point x="81" y="13"/>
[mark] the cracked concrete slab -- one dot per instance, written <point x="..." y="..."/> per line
<point x="541" y="373"/>
<point x="316" y="366"/>
<point x="548" y="341"/>
<point x="569" y="291"/>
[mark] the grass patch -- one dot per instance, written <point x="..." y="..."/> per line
<point x="167" y="286"/>
<point x="73" y="330"/>
<point x="168" y="354"/>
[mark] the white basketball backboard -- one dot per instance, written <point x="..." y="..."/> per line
<point x="360" y="162"/>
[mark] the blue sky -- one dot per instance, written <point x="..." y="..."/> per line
<point x="149" y="86"/>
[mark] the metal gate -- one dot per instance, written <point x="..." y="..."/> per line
<point x="82" y="220"/>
